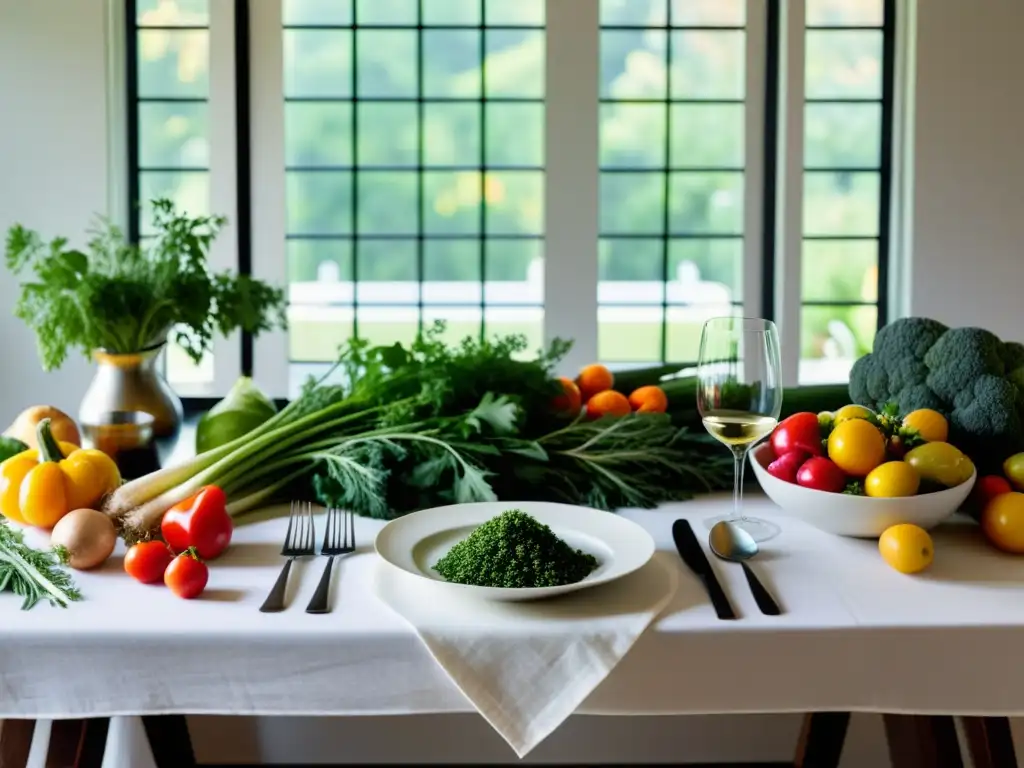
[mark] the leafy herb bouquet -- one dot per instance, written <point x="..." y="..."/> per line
<point x="123" y="298"/>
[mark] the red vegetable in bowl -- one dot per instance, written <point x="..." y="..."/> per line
<point x="799" y="432"/>
<point x="786" y="466"/>
<point x="821" y="474"/>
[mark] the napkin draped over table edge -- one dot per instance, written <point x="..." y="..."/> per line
<point x="527" y="666"/>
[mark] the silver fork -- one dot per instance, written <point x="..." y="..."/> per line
<point x="299" y="541"/>
<point x="339" y="539"/>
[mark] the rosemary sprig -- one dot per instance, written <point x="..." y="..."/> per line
<point x="34" y="574"/>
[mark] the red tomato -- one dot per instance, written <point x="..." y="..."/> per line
<point x="147" y="561"/>
<point x="987" y="488"/>
<point x="800" y="432"/>
<point x="200" y="521"/>
<point x="187" y="575"/>
<point x="786" y="466"/>
<point x="821" y="474"/>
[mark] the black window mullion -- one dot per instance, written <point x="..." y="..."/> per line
<point x="666" y="189"/>
<point x="354" y="176"/>
<point x="243" y="161"/>
<point x="131" y="45"/>
<point x="420" y="162"/>
<point x="483" y="170"/>
<point x="771" y="149"/>
<point x="885" y="181"/>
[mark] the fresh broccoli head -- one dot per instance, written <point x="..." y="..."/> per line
<point x="967" y="374"/>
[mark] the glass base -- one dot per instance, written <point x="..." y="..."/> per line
<point x="759" y="529"/>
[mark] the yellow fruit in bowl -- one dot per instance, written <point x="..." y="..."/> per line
<point x="848" y="412"/>
<point x="1002" y="520"/>
<point x="907" y="548"/>
<point x="892" y="479"/>
<point x="941" y="463"/>
<point x="856" y="447"/>
<point x="931" y="425"/>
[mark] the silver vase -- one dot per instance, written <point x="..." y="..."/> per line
<point x="127" y="383"/>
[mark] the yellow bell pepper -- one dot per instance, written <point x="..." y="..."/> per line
<point x="40" y="487"/>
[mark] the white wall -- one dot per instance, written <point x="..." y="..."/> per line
<point x="53" y="164"/>
<point x="968" y="267"/>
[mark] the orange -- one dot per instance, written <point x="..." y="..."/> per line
<point x="1002" y="520"/>
<point x="570" y="401"/>
<point x="593" y="379"/>
<point x="608" y="403"/>
<point x="649" y="399"/>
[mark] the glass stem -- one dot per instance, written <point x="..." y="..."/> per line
<point x="739" y="454"/>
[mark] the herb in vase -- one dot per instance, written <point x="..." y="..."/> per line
<point x="124" y="298"/>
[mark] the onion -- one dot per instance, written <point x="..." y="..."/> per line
<point x="88" y="535"/>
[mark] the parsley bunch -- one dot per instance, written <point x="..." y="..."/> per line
<point x="123" y="298"/>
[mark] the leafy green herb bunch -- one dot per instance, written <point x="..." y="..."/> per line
<point x="123" y="297"/>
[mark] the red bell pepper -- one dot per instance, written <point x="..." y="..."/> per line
<point x="201" y="521"/>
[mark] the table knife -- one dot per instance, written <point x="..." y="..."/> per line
<point x="693" y="555"/>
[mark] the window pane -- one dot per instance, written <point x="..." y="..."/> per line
<point x="173" y="134"/>
<point x="840" y="13"/>
<point x="182" y="370"/>
<point x="320" y="261"/>
<point x="844" y="65"/>
<point x="633" y="64"/>
<point x="708" y="65"/>
<point x="633" y="135"/>
<point x="452" y="261"/>
<point x="172" y="13"/>
<point x="451" y="63"/>
<point x="707" y="136"/>
<point x="515" y="202"/>
<point x="511" y="12"/>
<point x="629" y="334"/>
<point x="457" y="13"/>
<point x="634" y="13"/>
<point x="392" y="12"/>
<point x="317" y="12"/>
<point x="451" y="134"/>
<point x="706" y="203"/>
<point x="632" y="203"/>
<point x="707" y="13"/>
<point x="515" y="134"/>
<point x="451" y="202"/>
<point x="173" y="63"/>
<point x="840" y="270"/>
<point x="381" y="265"/>
<point x="388" y="134"/>
<point x="683" y="327"/>
<point x="316" y="332"/>
<point x="319" y="202"/>
<point x="831" y="339"/>
<point x="630" y="260"/>
<point x="842" y="135"/>
<point x="840" y="203"/>
<point x="318" y="63"/>
<point x="387" y="202"/>
<point x="515" y="272"/>
<point x="387" y="325"/>
<point x="705" y="271"/>
<point x="515" y="63"/>
<point x="188" y="190"/>
<point x="529" y="321"/>
<point x="318" y="133"/>
<point x="386" y="63"/>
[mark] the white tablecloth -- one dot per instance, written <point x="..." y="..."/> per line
<point x="855" y="635"/>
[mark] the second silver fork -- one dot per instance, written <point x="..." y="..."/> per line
<point x="339" y="539"/>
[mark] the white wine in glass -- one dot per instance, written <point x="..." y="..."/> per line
<point x="739" y="397"/>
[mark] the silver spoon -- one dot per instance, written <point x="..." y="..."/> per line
<point x="730" y="542"/>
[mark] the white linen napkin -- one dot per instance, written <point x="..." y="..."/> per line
<point x="527" y="666"/>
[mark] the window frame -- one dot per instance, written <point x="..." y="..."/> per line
<point x="249" y="185"/>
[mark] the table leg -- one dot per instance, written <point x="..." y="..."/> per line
<point x="990" y="742"/>
<point x="169" y="741"/>
<point x="15" y="742"/>
<point x="78" y="743"/>
<point x="821" y="740"/>
<point x="922" y="741"/>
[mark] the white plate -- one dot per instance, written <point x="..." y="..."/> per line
<point x="415" y="542"/>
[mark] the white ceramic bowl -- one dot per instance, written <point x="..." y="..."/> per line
<point x="860" y="516"/>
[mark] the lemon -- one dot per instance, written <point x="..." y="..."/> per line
<point x="848" y="412"/>
<point x="907" y="548"/>
<point x="931" y="425"/>
<point x="894" y="478"/>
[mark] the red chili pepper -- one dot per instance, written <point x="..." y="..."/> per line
<point x="201" y="521"/>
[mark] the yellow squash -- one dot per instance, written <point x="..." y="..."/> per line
<point x="40" y="487"/>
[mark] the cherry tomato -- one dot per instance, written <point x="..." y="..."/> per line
<point x="799" y="432"/>
<point x="930" y="425"/>
<point x="785" y="467"/>
<point x="187" y="575"/>
<point x="821" y="474"/>
<point x="856" y="446"/>
<point x="147" y="561"/>
<point x="1003" y="522"/>
<point x="200" y="521"/>
<point x="892" y="479"/>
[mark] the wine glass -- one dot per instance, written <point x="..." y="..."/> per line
<point x="739" y="397"/>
